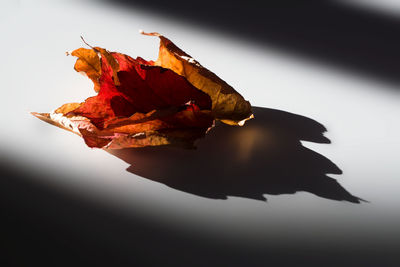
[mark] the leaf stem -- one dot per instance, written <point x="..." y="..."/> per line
<point x="86" y="43"/>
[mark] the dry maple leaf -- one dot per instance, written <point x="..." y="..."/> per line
<point x="173" y="101"/>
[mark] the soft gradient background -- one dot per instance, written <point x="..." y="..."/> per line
<point x="307" y="66"/>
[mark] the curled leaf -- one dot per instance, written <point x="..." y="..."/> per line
<point x="145" y="103"/>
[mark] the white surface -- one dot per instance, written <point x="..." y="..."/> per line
<point x="388" y="6"/>
<point x="361" y="115"/>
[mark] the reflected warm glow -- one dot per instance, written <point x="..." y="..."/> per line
<point x="249" y="139"/>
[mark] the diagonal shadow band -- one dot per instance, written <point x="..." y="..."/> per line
<point x="360" y="40"/>
<point x="263" y="157"/>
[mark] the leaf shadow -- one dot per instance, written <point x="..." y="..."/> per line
<point x="263" y="157"/>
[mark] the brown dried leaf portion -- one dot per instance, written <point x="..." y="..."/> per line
<point x="64" y="109"/>
<point x="181" y="128"/>
<point x="89" y="62"/>
<point x="46" y="118"/>
<point x="67" y="123"/>
<point x="227" y="104"/>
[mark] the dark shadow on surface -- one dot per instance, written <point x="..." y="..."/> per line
<point x="42" y="225"/>
<point x="360" y="40"/>
<point x="263" y="157"/>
